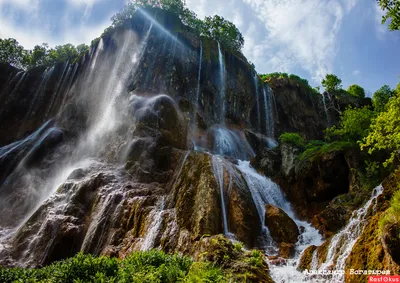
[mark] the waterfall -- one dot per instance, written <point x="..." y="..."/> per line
<point x="258" y="103"/>
<point x="156" y="221"/>
<point x="229" y="143"/>
<point x="218" y="169"/>
<point x="265" y="191"/>
<point x="326" y="110"/>
<point x="222" y="87"/>
<point x="197" y="99"/>
<point x="269" y="115"/>
<point x="57" y="89"/>
<point x="342" y="243"/>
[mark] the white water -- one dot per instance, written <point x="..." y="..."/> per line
<point x="265" y="191"/>
<point x="325" y="109"/>
<point x="342" y="243"/>
<point x="258" y="102"/>
<point x="268" y="108"/>
<point x="218" y="169"/>
<point x="222" y="86"/>
<point x="230" y="143"/>
<point x="152" y="233"/>
<point x="197" y="99"/>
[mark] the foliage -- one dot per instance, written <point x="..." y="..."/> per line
<point x="354" y="125"/>
<point x="392" y="214"/>
<point x="385" y="130"/>
<point x="292" y="79"/>
<point x="381" y="98"/>
<point x="13" y="53"/>
<point x="331" y="83"/>
<point x="215" y="27"/>
<point x="41" y="55"/>
<point x="150" y="266"/>
<point x="356" y="90"/>
<point x="293" y="139"/>
<point x="316" y="150"/>
<point x="392" y="9"/>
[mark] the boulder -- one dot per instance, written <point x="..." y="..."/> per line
<point x="286" y="250"/>
<point x="282" y="228"/>
<point x="306" y="258"/>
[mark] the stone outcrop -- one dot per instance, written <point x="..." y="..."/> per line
<point x="309" y="184"/>
<point x="282" y="228"/>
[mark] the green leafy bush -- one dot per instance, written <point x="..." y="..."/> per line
<point x="385" y="129"/>
<point x="354" y="125"/>
<point x="150" y="266"/>
<point x="292" y="139"/>
<point x="392" y="215"/>
<point x="291" y="79"/>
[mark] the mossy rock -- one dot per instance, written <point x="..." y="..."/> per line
<point x="306" y="258"/>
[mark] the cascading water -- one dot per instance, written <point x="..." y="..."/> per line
<point x="218" y="169"/>
<point x="268" y="110"/>
<point x="152" y="233"/>
<point x="229" y="143"/>
<point x="264" y="191"/>
<point x="197" y="99"/>
<point x="258" y="102"/>
<point x="104" y="117"/>
<point x="325" y="109"/>
<point x="342" y="243"/>
<point x="222" y="87"/>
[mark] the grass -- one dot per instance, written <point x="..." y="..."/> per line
<point x="149" y="266"/>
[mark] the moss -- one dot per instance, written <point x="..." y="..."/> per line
<point x="306" y="258"/>
<point x="369" y="254"/>
<point x="237" y="264"/>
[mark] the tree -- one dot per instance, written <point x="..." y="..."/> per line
<point x="331" y="83"/>
<point x="38" y="55"/>
<point x="392" y="10"/>
<point x="214" y="27"/>
<point x="224" y="31"/>
<point x="385" y="130"/>
<point x="381" y="97"/>
<point x="356" y="90"/>
<point x="354" y="125"/>
<point x="13" y="53"/>
<point x="82" y="48"/>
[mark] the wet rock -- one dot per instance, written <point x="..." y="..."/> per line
<point x="391" y="241"/>
<point x="286" y="250"/>
<point x="331" y="220"/>
<point x="243" y="266"/>
<point x="282" y="228"/>
<point x="306" y="258"/>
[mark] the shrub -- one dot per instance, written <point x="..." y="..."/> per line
<point x="292" y="139"/>
<point x="149" y="266"/>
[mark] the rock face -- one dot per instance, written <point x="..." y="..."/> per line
<point x="282" y="228"/>
<point x="309" y="184"/>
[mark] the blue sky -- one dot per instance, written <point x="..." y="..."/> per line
<point x="306" y="37"/>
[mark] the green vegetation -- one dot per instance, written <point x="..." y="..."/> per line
<point x="41" y="55"/>
<point x="151" y="266"/>
<point x="381" y="98"/>
<point x="292" y="139"/>
<point x="392" y="215"/>
<point x="354" y="125"/>
<point x="392" y="10"/>
<point x="356" y="90"/>
<point x="215" y="27"/>
<point x="332" y="83"/>
<point x="291" y="79"/>
<point x="385" y="130"/>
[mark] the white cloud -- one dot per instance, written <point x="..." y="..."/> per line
<point x="356" y="72"/>
<point x="304" y="32"/>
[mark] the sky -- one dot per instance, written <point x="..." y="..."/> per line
<point x="309" y="38"/>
